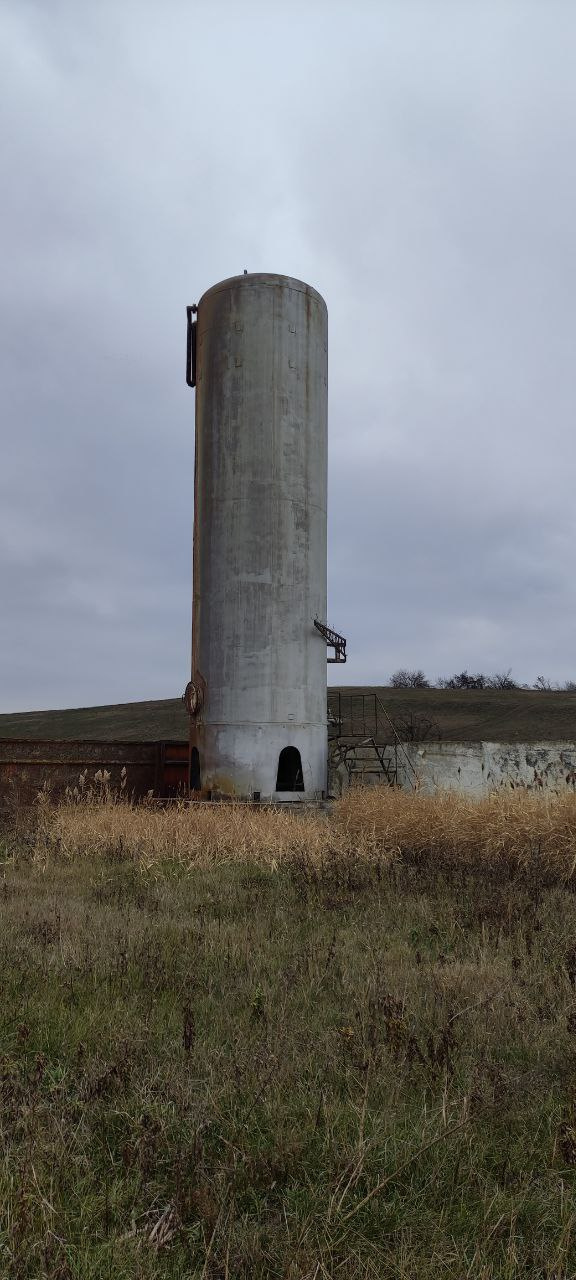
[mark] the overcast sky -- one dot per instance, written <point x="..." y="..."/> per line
<point x="412" y="161"/>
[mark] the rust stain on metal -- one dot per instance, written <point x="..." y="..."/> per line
<point x="26" y="765"/>
<point x="223" y="785"/>
<point x="98" y="761"/>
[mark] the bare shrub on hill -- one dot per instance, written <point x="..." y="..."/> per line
<point x="502" y="680"/>
<point x="404" y="679"/>
<point x="414" y="727"/>
<point x="463" y="681"/>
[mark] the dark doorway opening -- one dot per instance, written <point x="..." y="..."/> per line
<point x="195" y="778"/>
<point x="290" y="776"/>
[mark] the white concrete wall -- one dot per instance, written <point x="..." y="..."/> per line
<point x="472" y="767"/>
<point x="477" y="767"/>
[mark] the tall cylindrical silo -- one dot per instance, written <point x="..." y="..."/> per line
<point x="258" y="663"/>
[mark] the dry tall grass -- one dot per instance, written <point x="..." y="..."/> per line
<point x="196" y="835"/>
<point x="526" y="830"/>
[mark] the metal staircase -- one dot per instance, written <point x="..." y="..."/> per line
<point x="371" y="762"/>
<point x="362" y="736"/>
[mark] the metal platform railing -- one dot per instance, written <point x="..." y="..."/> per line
<point x="355" y="718"/>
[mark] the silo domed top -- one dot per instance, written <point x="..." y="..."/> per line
<point x="264" y="279"/>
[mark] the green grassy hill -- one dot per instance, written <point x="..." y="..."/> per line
<point x="515" y="716"/>
<point x="487" y="715"/>
<point x="124" y="722"/>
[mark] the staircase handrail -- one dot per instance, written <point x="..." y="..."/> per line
<point x="397" y="742"/>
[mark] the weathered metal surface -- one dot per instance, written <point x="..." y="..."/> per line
<point x="28" y="767"/>
<point x="191" y="346"/>
<point x="333" y="639"/>
<point x="260" y="533"/>
<point x="174" y="768"/>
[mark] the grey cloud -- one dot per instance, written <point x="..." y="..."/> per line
<point x="415" y="165"/>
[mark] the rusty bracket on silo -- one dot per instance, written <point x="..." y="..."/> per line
<point x="333" y="640"/>
<point x="191" y="345"/>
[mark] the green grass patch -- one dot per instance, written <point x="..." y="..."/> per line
<point x="241" y="1072"/>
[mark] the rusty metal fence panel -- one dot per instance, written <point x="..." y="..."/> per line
<point x="26" y="767"/>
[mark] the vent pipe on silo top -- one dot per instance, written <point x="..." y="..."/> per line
<point x="191" y="345"/>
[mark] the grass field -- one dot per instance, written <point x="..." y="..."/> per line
<point x="519" y="715"/>
<point x="239" y="1044"/>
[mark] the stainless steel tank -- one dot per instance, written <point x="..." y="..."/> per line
<point x="258" y="691"/>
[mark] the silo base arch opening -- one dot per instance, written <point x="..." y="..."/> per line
<point x="290" y="776"/>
